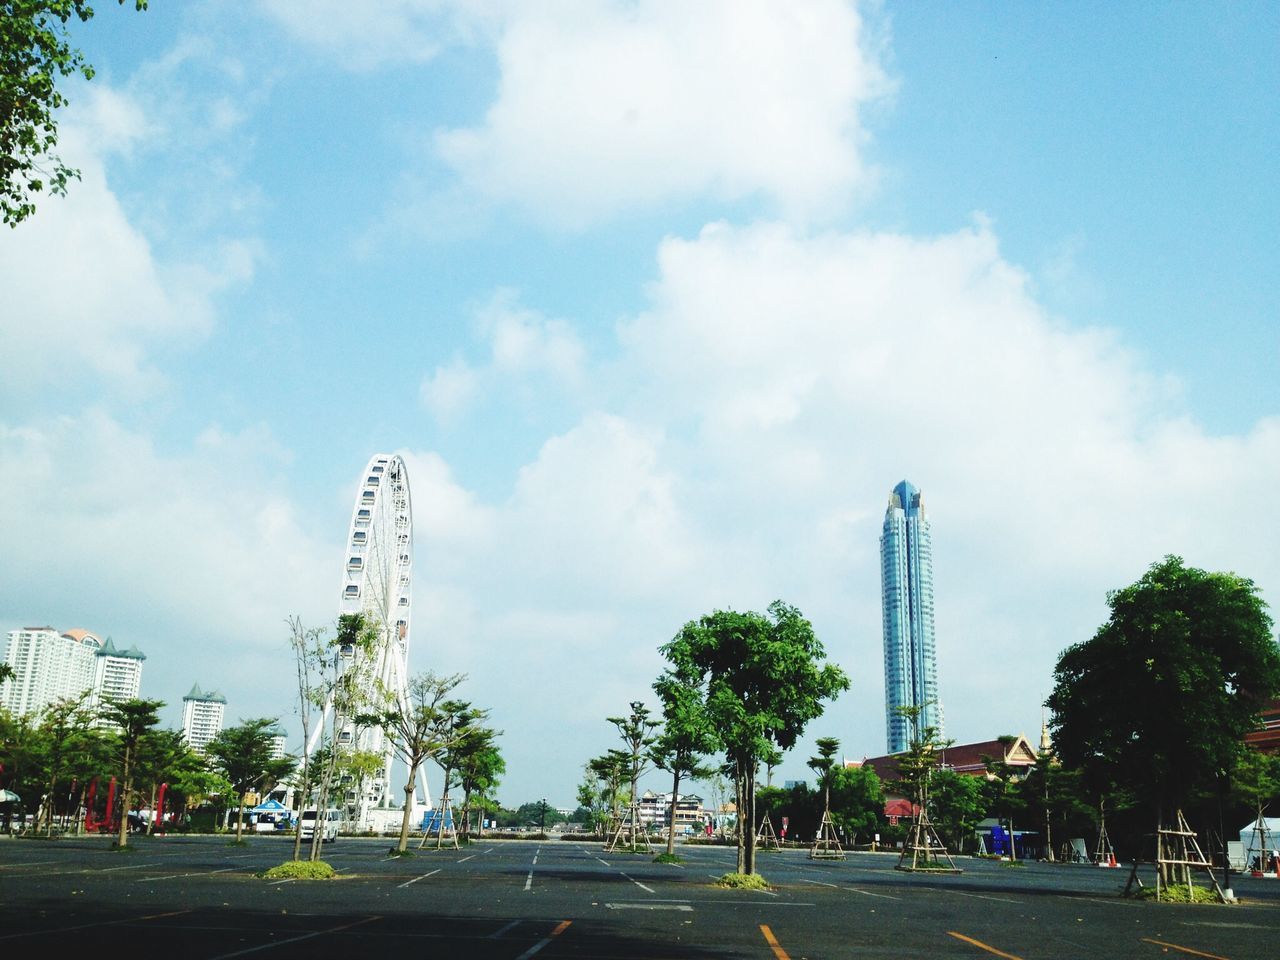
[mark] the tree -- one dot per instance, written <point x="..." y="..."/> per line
<point x="824" y="766"/>
<point x="68" y="746"/>
<point x="35" y="52"/>
<point x="761" y="679"/>
<point x="1001" y="786"/>
<point x="609" y="769"/>
<point x="956" y="804"/>
<point x="855" y="799"/>
<point x="164" y="756"/>
<point x="480" y="766"/>
<point x="311" y="653"/>
<point x="132" y="719"/>
<point x="243" y="755"/>
<point x="686" y="738"/>
<point x="1256" y="779"/>
<point x="637" y="732"/>
<point x="421" y="728"/>
<point x="1159" y="699"/>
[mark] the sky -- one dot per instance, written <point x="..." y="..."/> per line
<point x="657" y="301"/>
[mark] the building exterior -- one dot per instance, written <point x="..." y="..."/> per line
<point x="202" y="716"/>
<point x="967" y="758"/>
<point x="1267" y="738"/>
<point x="655" y="811"/>
<point x="50" y="666"/>
<point x="906" y="579"/>
<point x="279" y="742"/>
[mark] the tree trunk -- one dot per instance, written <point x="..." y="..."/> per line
<point x="240" y="818"/>
<point x="123" y="838"/>
<point x="739" y="802"/>
<point x="403" y="843"/>
<point x="151" y="827"/>
<point x="671" y="824"/>
<point x="749" y="837"/>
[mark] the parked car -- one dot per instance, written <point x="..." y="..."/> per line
<point x="329" y="825"/>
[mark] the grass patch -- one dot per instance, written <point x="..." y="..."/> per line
<point x="238" y="843"/>
<point x="1014" y="863"/>
<point x="1178" y="894"/>
<point x="743" y="881"/>
<point x="300" y="870"/>
<point x="393" y="852"/>
<point x="668" y="858"/>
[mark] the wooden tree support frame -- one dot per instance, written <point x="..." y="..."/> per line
<point x="766" y="839"/>
<point x="1262" y="842"/>
<point x="926" y="849"/>
<point x="826" y="845"/>
<point x="1178" y="848"/>
<point x="447" y="831"/>
<point x="1104" y="855"/>
<point x="630" y="834"/>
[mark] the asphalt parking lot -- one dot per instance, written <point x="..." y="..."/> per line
<point x="517" y="900"/>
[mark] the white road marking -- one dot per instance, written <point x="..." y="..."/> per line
<point x="650" y="906"/>
<point x="134" y="866"/>
<point x="465" y="859"/>
<point x="882" y="896"/>
<point x="416" y="879"/>
<point x="174" y="876"/>
<point x="979" y="896"/>
<point x="638" y="883"/>
<point x="305" y="936"/>
<point x="528" y="883"/>
<point x="820" y="883"/>
<point x="605" y="862"/>
<point x="498" y="933"/>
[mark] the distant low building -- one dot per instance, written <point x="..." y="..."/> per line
<point x="966" y="758"/>
<point x="655" y="811"/>
<point x="1268" y="738"/>
<point x="279" y="742"/>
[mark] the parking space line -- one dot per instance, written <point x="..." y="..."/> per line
<point x="563" y="926"/>
<point x="499" y="932"/>
<point x="36" y="863"/>
<point x="423" y="877"/>
<point x="605" y="862"/>
<point x="638" y="883"/>
<point x="86" y="926"/>
<point x="465" y="859"/>
<point x="868" y="893"/>
<point x="528" y="882"/>
<point x="774" y="945"/>
<point x="305" y="936"/>
<point x="982" y="946"/>
<point x="132" y="866"/>
<point x="1174" y="946"/>
<point x="175" y="876"/>
<point x="980" y="896"/>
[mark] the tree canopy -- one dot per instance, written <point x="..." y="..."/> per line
<point x="1161" y="696"/>
<point x="761" y="679"/>
<point x="35" y="54"/>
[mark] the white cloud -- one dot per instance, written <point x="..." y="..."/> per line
<point x="609" y="107"/>
<point x="527" y="351"/>
<point x="195" y="556"/>
<point x="87" y="300"/>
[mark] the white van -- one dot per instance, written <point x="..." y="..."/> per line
<point x="329" y="828"/>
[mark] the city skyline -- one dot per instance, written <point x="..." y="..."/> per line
<point x="652" y="328"/>
<point x="910" y="642"/>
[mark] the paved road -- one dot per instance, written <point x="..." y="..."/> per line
<point x="515" y="901"/>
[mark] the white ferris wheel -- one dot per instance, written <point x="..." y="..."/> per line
<point x="377" y="582"/>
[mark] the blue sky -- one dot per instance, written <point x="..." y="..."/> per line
<point x="658" y="301"/>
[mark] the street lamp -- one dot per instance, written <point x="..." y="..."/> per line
<point x="543" y="827"/>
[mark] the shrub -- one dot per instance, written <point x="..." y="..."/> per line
<point x="743" y="881"/>
<point x="668" y="858"/>
<point x="300" y="870"/>
<point x="1178" y="894"/>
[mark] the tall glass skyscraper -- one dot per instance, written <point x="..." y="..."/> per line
<point x="906" y="580"/>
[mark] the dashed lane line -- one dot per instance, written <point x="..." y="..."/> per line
<point x="416" y="879"/>
<point x="86" y="926"/>
<point x="465" y="859"/>
<point x="528" y="881"/>
<point x="605" y="862"/>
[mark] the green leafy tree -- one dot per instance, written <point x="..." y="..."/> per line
<point x="637" y="730"/>
<point x="132" y="719"/>
<point x="855" y="800"/>
<point x="761" y="679"/>
<point x="610" y="771"/>
<point x="68" y="747"/>
<point x="686" y="738"/>
<point x="824" y="768"/>
<point x="242" y="754"/>
<point x="1003" y="797"/>
<point x="35" y="54"/>
<point x="1255" y="779"/>
<point x="956" y="805"/>
<point x="163" y="757"/>
<point x="480" y="768"/>
<point x="1161" y="696"/>
<point x="421" y="728"/>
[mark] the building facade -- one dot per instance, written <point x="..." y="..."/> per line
<point x="906" y="579"/>
<point x="202" y="717"/>
<point x="50" y="666"/>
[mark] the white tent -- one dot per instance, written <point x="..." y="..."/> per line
<point x="1249" y="839"/>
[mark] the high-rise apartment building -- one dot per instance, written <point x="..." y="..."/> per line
<point x="49" y="666"/>
<point x="202" y="716"/>
<point x="906" y="579"/>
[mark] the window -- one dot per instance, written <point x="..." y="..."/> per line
<point x="352" y="591"/>
<point x="363" y="514"/>
<point x="379" y="468"/>
<point x="360" y="536"/>
<point x="372" y="481"/>
<point x="355" y="563"/>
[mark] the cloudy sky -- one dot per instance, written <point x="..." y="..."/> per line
<point x="658" y="301"/>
